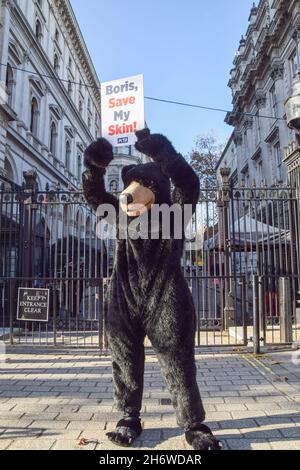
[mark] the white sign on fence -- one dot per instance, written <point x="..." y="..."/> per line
<point x="122" y="110"/>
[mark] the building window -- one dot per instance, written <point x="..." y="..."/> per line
<point x="257" y="128"/>
<point x="89" y="104"/>
<point x="294" y="61"/>
<point x="80" y="85"/>
<point x="274" y="102"/>
<point x="56" y="63"/>
<point x="38" y="31"/>
<point x="278" y="159"/>
<point x="246" y="177"/>
<point x="56" y="35"/>
<point x="9" y="84"/>
<point x="113" y="186"/>
<point x="34" y="113"/>
<point x="89" y="123"/>
<point x="260" y="171"/>
<point x="70" y="62"/>
<point x="70" y="88"/>
<point x="68" y="155"/>
<point x="80" y="106"/>
<point x="79" y="167"/>
<point x="53" y="137"/>
<point x="245" y="140"/>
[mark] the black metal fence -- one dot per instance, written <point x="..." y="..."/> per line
<point x="241" y="263"/>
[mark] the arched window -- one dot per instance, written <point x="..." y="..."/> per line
<point x="68" y="155"/>
<point x="80" y="106"/>
<point x="53" y="138"/>
<point x="113" y="186"/>
<point x="9" y="84"/>
<point x="34" y="116"/>
<point x="56" y="63"/>
<point x="38" y="31"/>
<point x="8" y="171"/>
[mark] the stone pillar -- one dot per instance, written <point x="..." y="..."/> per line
<point x="4" y="36"/>
<point x="224" y="233"/>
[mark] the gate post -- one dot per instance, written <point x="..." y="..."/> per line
<point x="285" y="310"/>
<point x="224" y="231"/>
<point x="29" y="199"/>
<point x="256" y="319"/>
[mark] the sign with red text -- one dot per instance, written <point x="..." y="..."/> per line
<point x="122" y="110"/>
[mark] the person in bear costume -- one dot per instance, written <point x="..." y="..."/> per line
<point x="148" y="294"/>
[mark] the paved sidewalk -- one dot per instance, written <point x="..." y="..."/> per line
<point x="56" y="398"/>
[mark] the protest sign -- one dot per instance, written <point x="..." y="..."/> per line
<point x="122" y="110"/>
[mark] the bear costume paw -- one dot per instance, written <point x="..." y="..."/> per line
<point x="201" y="438"/>
<point x="153" y="145"/>
<point x="99" y="154"/>
<point x="126" y="432"/>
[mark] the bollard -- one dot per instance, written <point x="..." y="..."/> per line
<point x="256" y="322"/>
<point x="285" y="310"/>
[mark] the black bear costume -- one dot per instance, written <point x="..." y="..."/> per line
<point x="148" y="294"/>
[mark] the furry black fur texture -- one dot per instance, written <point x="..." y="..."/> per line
<point x="201" y="438"/>
<point x="126" y="432"/>
<point x="148" y="294"/>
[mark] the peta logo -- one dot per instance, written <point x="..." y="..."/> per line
<point x="123" y="140"/>
<point x="296" y="355"/>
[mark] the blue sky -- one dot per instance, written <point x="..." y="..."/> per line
<point x="184" y="49"/>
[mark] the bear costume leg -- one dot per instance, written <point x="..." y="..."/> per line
<point x="175" y="351"/>
<point x="126" y="344"/>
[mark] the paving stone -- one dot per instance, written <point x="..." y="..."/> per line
<point x="285" y="444"/>
<point x="49" y="424"/>
<point x="248" y="444"/>
<point x="32" y="444"/>
<point x="74" y="416"/>
<point x="73" y="444"/>
<point x="291" y="432"/>
<point x="5" y="443"/>
<point x="231" y="407"/>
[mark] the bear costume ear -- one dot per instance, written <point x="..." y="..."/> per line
<point x="99" y="154"/>
<point x="125" y="171"/>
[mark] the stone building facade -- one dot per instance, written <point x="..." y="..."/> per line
<point x="47" y="113"/>
<point x="265" y="66"/>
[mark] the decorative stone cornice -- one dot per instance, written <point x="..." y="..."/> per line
<point x="56" y="111"/>
<point x="37" y="85"/>
<point x="65" y="11"/>
<point x="260" y="99"/>
<point x="70" y="131"/>
<point x="277" y="70"/>
<point x="248" y="122"/>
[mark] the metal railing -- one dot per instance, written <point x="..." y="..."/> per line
<point x="243" y="271"/>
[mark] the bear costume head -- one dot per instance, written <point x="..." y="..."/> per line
<point x="144" y="184"/>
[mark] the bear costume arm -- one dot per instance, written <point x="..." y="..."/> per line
<point x="96" y="158"/>
<point x="173" y="165"/>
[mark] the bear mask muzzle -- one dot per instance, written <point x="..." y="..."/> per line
<point x="136" y="199"/>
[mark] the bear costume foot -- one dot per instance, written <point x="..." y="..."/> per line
<point x="126" y="432"/>
<point x="201" y="438"/>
